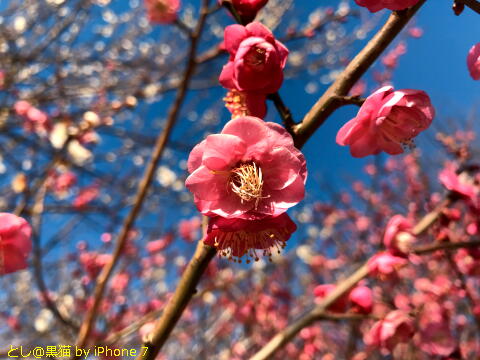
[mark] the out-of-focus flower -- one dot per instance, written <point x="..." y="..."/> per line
<point x="256" y="59"/>
<point x="322" y="291"/>
<point x="468" y="261"/>
<point x="377" y="5"/>
<point x="385" y="264"/>
<point x="61" y="183"/>
<point x="435" y="337"/>
<point x="235" y="238"/>
<point x="387" y="121"/>
<point x="397" y="327"/>
<point x="160" y="244"/>
<point x="361" y="298"/>
<point x="461" y="184"/>
<point x="120" y="282"/>
<point x="251" y="170"/>
<point x="86" y="196"/>
<point x="162" y="11"/>
<point x="35" y="120"/>
<point x="473" y="61"/>
<point x="15" y="243"/>
<point x="189" y="228"/>
<point x="398" y="237"/>
<point x="93" y="262"/>
<point x="390" y="60"/>
<point x="415" y="32"/>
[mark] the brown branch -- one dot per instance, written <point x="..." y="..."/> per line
<point x="284" y="112"/>
<point x="144" y="184"/>
<point x="472" y="4"/>
<point x="328" y="102"/>
<point x="283" y="337"/>
<point x="186" y="289"/>
<point x="422" y="250"/>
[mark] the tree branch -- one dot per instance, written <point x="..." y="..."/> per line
<point x="472" y="4"/>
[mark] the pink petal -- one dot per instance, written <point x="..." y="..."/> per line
<point x="234" y="35"/>
<point x="206" y="185"/>
<point x="223" y="151"/>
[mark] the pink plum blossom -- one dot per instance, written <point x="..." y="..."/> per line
<point x="188" y="228"/>
<point x="250" y="170"/>
<point x="377" y="5"/>
<point x="361" y="298"/>
<point x="322" y="291"/>
<point x="387" y="120"/>
<point x="460" y="184"/>
<point x="385" y="264"/>
<point x="15" y="243"/>
<point x="235" y="238"/>
<point x="93" y="262"/>
<point x="398" y="237"/>
<point x="256" y="59"/>
<point x="162" y="11"/>
<point x="397" y="327"/>
<point x="473" y="61"/>
<point x="434" y="336"/>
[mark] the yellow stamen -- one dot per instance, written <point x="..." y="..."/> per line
<point x="247" y="182"/>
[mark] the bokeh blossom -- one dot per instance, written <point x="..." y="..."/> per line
<point x="162" y="11"/>
<point x="398" y="237"/>
<point x="15" y="243"/>
<point x="397" y="327"/>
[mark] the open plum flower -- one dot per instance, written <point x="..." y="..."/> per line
<point x="15" y="243"/>
<point x="398" y="238"/>
<point x="256" y="59"/>
<point x="397" y="327"/>
<point x="377" y="5"/>
<point x="387" y="121"/>
<point x="251" y="170"/>
<point x="162" y="11"/>
<point x="234" y="238"/>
